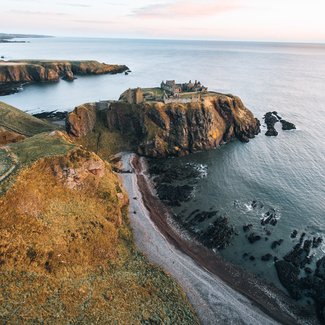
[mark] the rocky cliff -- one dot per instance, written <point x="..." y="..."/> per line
<point x="18" y="72"/>
<point x="174" y="129"/>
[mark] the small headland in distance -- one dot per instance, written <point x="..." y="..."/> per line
<point x="14" y="74"/>
<point x="8" y="38"/>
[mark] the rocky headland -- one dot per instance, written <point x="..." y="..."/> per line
<point x="15" y="73"/>
<point x="177" y="128"/>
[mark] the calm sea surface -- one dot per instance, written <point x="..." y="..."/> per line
<point x="286" y="173"/>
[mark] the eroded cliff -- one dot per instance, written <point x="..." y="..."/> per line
<point x="24" y="71"/>
<point x="156" y="129"/>
<point x="29" y="70"/>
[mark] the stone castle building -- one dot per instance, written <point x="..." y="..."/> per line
<point x="135" y="96"/>
<point x="172" y="88"/>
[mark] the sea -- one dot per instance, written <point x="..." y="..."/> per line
<point x="285" y="173"/>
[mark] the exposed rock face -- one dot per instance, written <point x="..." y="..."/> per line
<point x="7" y="136"/>
<point x="13" y="73"/>
<point x="82" y="120"/>
<point x="175" y="129"/>
<point x="74" y="176"/>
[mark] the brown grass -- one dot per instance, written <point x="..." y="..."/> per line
<point x="67" y="255"/>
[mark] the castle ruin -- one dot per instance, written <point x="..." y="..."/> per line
<point x="172" y="88"/>
<point x="135" y="96"/>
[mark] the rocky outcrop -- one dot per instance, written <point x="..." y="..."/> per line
<point x="26" y="71"/>
<point x="271" y="118"/>
<point x="19" y="72"/>
<point x="82" y="120"/>
<point x="7" y="136"/>
<point x="173" y="129"/>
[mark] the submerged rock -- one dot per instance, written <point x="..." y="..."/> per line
<point x="294" y="234"/>
<point x="252" y="238"/>
<point x="266" y="257"/>
<point x="174" y="195"/>
<point x="247" y="227"/>
<point x="276" y="243"/>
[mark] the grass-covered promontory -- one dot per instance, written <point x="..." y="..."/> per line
<point x="67" y="253"/>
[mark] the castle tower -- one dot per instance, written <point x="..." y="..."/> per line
<point x="138" y="96"/>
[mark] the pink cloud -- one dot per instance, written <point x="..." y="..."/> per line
<point x="182" y="8"/>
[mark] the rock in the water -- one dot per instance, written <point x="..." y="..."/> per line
<point x="269" y="218"/>
<point x="270" y="119"/>
<point x="276" y="243"/>
<point x="247" y="227"/>
<point x="271" y="132"/>
<point x="308" y="270"/>
<point x="287" y="125"/>
<point x="320" y="270"/>
<point x="266" y="257"/>
<point x="317" y="242"/>
<point x="252" y="238"/>
<point x="294" y="234"/>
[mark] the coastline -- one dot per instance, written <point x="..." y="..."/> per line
<point x="218" y="290"/>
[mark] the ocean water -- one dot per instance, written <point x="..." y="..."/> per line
<point x="286" y="173"/>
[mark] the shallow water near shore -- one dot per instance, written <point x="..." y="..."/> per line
<point x="285" y="173"/>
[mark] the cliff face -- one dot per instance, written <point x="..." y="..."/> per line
<point x="41" y="71"/>
<point x="174" y="129"/>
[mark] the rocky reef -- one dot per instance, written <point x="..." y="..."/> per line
<point x="15" y="73"/>
<point x="271" y="118"/>
<point x="176" y="128"/>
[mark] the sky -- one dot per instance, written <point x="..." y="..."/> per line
<point x="259" y="20"/>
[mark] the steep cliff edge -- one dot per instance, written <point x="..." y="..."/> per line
<point x="16" y="125"/>
<point x="23" y="71"/>
<point x="156" y="129"/>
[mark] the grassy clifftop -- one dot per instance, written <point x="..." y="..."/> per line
<point x="67" y="253"/>
<point x="15" y="125"/>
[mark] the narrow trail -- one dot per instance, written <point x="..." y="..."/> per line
<point x="8" y="163"/>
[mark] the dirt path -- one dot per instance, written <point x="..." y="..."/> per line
<point x="8" y="162"/>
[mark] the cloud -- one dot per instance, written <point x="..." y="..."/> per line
<point x="79" y="5"/>
<point x="94" y="22"/>
<point x="37" y="13"/>
<point x="190" y="8"/>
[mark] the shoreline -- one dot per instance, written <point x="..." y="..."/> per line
<point x="247" y="299"/>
